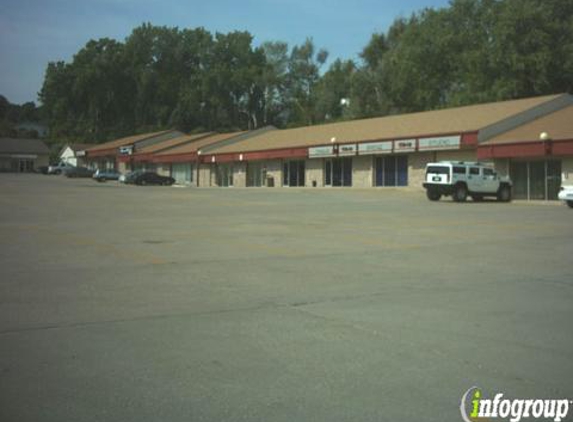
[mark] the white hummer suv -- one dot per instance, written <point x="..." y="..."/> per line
<point x="566" y="195"/>
<point x="460" y="179"/>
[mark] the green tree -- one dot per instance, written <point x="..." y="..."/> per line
<point x="333" y="91"/>
<point x="303" y="75"/>
<point x="274" y="82"/>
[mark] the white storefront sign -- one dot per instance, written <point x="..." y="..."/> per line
<point x="443" y="142"/>
<point x="126" y="150"/>
<point x="405" y="145"/>
<point x="326" y="151"/>
<point x="348" y="149"/>
<point x="375" y="148"/>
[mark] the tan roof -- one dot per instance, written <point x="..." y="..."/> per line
<point x="127" y="141"/>
<point x="194" y="146"/>
<point x="23" y="146"/>
<point x="171" y="143"/>
<point x="558" y="125"/>
<point x="453" y="120"/>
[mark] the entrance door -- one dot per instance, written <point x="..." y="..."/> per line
<point x="553" y="178"/>
<point x="293" y="173"/>
<point x="224" y="175"/>
<point x="338" y="171"/>
<point x="518" y="176"/>
<point x="391" y="170"/>
<point x="537" y="180"/>
<point x="256" y="174"/>
<point x="402" y="170"/>
<point x="26" y="166"/>
<point x="182" y="173"/>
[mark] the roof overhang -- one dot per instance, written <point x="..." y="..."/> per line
<point x="525" y="149"/>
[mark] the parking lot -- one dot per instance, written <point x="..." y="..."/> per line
<point x="177" y="304"/>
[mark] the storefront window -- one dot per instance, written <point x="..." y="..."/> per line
<point x="224" y="175"/>
<point x="293" y="173"/>
<point x="392" y="170"/>
<point x="536" y="180"/>
<point x="256" y="174"/>
<point x="182" y="173"/>
<point x="338" y="171"/>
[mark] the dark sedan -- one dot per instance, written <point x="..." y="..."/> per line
<point x="150" y="178"/>
<point x="78" y="172"/>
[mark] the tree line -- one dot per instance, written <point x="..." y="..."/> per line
<point x="470" y="52"/>
<point x="11" y="115"/>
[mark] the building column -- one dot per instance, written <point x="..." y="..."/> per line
<point x="362" y="170"/>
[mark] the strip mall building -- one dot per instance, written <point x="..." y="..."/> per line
<point x="388" y="151"/>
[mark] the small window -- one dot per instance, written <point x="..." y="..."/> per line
<point x="488" y="172"/>
<point x="438" y="170"/>
<point x="459" y="170"/>
<point x="474" y="170"/>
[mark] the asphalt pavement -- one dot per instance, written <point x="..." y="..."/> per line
<point x="124" y="303"/>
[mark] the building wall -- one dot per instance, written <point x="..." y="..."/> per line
<point x="240" y="174"/>
<point x="460" y="155"/>
<point x="122" y="167"/>
<point x="314" y="169"/>
<point x="205" y="175"/>
<point x="417" y="167"/>
<point x="42" y="160"/>
<point x="362" y="171"/>
<point x="275" y="170"/>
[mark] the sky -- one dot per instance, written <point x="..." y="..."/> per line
<point x="36" y="32"/>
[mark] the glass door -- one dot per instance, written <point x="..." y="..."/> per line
<point x="518" y="176"/>
<point x="391" y="170"/>
<point x="338" y="172"/>
<point x="224" y="175"/>
<point x="553" y="179"/>
<point x="293" y="173"/>
<point x="256" y="174"/>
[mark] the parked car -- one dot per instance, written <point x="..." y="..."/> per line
<point x="59" y="168"/>
<point x="151" y="178"/>
<point x="129" y="178"/>
<point x="105" y="175"/>
<point x="460" y="179"/>
<point x="566" y="195"/>
<point x="78" y="172"/>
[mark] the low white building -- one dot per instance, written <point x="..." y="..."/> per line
<point x="74" y="154"/>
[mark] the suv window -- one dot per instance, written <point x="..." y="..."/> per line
<point x="474" y="170"/>
<point x="438" y="170"/>
<point x="459" y="170"/>
<point x="488" y="172"/>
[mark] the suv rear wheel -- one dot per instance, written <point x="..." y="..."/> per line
<point x="433" y="195"/>
<point x="570" y="204"/>
<point x="504" y="193"/>
<point x="460" y="193"/>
